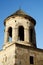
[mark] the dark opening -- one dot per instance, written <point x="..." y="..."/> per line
<point x="21" y="33"/>
<point x="31" y="35"/>
<point x="10" y="34"/>
<point x="31" y="60"/>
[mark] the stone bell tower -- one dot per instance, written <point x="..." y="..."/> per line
<point x="19" y="33"/>
<point x="20" y="41"/>
<point x="20" y="28"/>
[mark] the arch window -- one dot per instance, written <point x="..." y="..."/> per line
<point x="31" y="34"/>
<point x="21" y="33"/>
<point x="10" y="34"/>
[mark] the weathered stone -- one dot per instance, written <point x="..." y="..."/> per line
<point x="19" y="50"/>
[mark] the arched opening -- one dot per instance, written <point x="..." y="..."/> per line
<point x="31" y="35"/>
<point x="21" y="33"/>
<point x="10" y="34"/>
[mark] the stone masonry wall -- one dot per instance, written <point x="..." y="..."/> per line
<point x="23" y="53"/>
<point x="18" y="54"/>
<point x="7" y="56"/>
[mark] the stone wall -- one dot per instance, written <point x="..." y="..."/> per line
<point x="23" y="54"/>
<point x="7" y="55"/>
<point x="18" y="54"/>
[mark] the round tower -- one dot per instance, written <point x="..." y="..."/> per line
<point x="20" y="28"/>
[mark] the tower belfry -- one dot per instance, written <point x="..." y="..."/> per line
<point x="20" y="27"/>
<point x="19" y="46"/>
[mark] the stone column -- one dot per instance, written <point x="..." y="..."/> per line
<point x="6" y="36"/>
<point x="26" y="35"/>
<point x="34" y="37"/>
<point x="29" y="34"/>
<point x="16" y="34"/>
<point x="13" y="35"/>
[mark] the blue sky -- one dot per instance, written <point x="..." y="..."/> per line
<point x="33" y="8"/>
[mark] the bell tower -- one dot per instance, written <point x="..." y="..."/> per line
<point x="20" y="41"/>
<point x="20" y="28"/>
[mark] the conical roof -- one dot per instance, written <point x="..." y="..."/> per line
<point x="23" y="14"/>
<point x="19" y="12"/>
